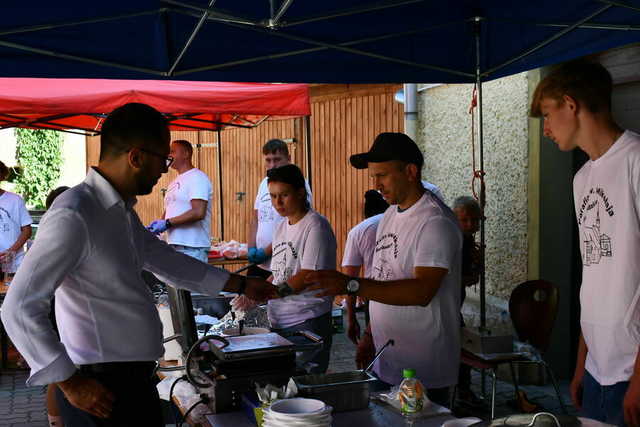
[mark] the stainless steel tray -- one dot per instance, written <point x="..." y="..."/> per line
<point x="345" y="391"/>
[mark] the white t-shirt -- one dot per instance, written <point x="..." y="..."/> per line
<point x="361" y="243"/>
<point x="268" y="217"/>
<point x="309" y="244"/>
<point x="434" y="189"/>
<point x="607" y="202"/>
<point x="13" y="216"/>
<point x="427" y="339"/>
<point x="190" y="185"/>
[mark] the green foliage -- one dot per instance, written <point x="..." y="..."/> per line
<point x="39" y="154"/>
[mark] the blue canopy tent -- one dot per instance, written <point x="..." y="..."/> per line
<point x="333" y="41"/>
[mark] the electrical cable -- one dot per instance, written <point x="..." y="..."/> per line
<point x="204" y="400"/>
<point x="184" y="378"/>
<point x="195" y="348"/>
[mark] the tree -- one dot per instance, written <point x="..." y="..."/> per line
<point x="39" y="155"/>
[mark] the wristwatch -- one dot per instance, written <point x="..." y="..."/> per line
<point x="284" y="290"/>
<point x="353" y="286"/>
<point x="168" y="224"/>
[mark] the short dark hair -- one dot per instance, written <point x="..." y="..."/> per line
<point x="274" y="145"/>
<point x="588" y="82"/>
<point x="4" y="171"/>
<point x="292" y="175"/>
<point x="54" y="194"/>
<point x="132" y="125"/>
<point x="468" y="203"/>
<point x="374" y="203"/>
<point x="184" y="144"/>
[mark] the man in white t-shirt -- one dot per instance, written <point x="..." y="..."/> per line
<point x="187" y="206"/>
<point x="15" y="226"/>
<point x="575" y="101"/>
<point x="415" y="294"/>
<point x="265" y="220"/>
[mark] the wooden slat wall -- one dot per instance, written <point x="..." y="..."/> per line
<point x="345" y="120"/>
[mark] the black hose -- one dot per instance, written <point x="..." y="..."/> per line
<point x="193" y="350"/>
<point x="184" y="377"/>
<point x="186" y="414"/>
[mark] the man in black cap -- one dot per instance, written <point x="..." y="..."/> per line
<point x="415" y="288"/>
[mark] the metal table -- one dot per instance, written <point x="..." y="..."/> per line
<point x="374" y="416"/>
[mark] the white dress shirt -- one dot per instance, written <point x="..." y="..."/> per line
<point x="90" y="250"/>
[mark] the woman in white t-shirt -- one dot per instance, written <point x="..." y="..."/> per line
<point x="302" y="243"/>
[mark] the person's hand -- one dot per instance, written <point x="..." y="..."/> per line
<point x="88" y="395"/>
<point x="353" y="329"/>
<point x="258" y="257"/>
<point x="158" y="226"/>
<point x="259" y="290"/>
<point x="365" y="352"/>
<point x="575" y="389"/>
<point x="631" y="403"/>
<point x="241" y="303"/>
<point x="330" y="282"/>
<point x="7" y="255"/>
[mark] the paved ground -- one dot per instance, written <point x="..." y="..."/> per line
<point x="22" y="406"/>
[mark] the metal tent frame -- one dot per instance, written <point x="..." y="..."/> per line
<point x="276" y="25"/>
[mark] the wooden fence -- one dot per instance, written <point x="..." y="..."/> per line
<point x="345" y="119"/>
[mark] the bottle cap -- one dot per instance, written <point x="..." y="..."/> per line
<point x="408" y="373"/>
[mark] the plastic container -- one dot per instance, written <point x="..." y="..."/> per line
<point x="411" y="393"/>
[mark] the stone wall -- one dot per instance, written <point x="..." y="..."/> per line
<point x="444" y="132"/>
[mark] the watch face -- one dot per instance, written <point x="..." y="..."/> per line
<point x="353" y="285"/>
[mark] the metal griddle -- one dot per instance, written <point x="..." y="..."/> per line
<point x="252" y="346"/>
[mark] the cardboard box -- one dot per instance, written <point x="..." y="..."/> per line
<point x="484" y="342"/>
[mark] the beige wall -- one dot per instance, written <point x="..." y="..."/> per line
<point x="444" y="131"/>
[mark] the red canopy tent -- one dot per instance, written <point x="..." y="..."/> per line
<point x="82" y="104"/>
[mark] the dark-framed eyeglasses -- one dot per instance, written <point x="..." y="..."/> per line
<point x="167" y="159"/>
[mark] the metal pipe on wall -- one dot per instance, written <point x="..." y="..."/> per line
<point x="411" y="110"/>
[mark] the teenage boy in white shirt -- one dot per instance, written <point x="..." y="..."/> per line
<point x="415" y="294"/>
<point x="187" y="206"/>
<point x="265" y="220"/>
<point x="90" y="251"/>
<point x="575" y="102"/>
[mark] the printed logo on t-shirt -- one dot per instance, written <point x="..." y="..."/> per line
<point x="5" y="220"/>
<point x="595" y="244"/>
<point x="174" y="187"/>
<point x="281" y="271"/>
<point x="386" y="247"/>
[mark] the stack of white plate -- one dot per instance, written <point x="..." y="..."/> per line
<point x="298" y="412"/>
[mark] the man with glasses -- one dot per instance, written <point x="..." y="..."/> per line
<point x="187" y="205"/>
<point x="90" y="251"/>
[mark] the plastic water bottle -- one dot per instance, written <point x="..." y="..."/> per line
<point x="411" y="393"/>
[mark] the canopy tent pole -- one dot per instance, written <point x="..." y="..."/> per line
<point x="220" y="198"/>
<point x="483" y="302"/>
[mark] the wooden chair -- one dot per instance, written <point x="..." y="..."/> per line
<point x="533" y="307"/>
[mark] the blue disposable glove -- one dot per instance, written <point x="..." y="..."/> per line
<point x="158" y="226"/>
<point x="260" y="257"/>
<point x="251" y="253"/>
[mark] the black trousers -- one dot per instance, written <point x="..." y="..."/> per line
<point x="136" y="398"/>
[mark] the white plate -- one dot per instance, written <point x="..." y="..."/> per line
<point x="298" y="406"/>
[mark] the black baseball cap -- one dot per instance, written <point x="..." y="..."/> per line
<point x="389" y="146"/>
